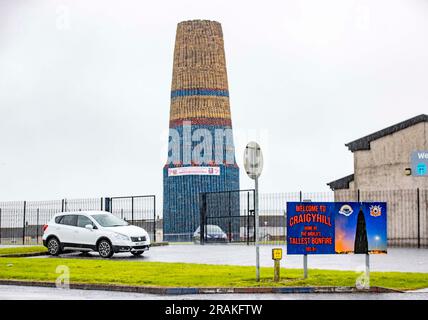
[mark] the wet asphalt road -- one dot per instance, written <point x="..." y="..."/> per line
<point x="37" y="293"/>
<point x="397" y="259"/>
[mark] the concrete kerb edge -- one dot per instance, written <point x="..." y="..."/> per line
<point x="159" y="244"/>
<point x="190" y="291"/>
<point x="36" y="254"/>
<point x="24" y="255"/>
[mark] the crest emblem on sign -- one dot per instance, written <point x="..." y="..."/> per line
<point x="346" y="210"/>
<point x="375" y="211"/>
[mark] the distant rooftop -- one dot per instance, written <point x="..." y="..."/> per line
<point x="364" y="143"/>
<point x="342" y="183"/>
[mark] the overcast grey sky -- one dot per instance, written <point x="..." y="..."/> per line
<point x="85" y="85"/>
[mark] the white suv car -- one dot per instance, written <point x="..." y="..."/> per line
<point x="93" y="231"/>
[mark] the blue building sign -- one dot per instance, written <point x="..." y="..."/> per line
<point x="420" y="163"/>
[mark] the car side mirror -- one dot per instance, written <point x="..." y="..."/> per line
<point x="89" y="227"/>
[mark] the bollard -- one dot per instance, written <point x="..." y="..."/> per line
<point x="277" y="268"/>
<point x="276" y="257"/>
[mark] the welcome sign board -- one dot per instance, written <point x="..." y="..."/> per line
<point x="336" y="227"/>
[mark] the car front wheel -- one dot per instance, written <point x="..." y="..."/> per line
<point x="54" y="247"/>
<point x="105" y="249"/>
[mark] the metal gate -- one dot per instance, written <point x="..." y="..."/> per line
<point x="138" y="210"/>
<point x="227" y="216"/>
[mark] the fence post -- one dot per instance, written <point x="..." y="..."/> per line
<point x="203" y="214"/>
<point x="248" y="218"/>
<point x="230" y="219"/>
<point x="132" y="210"/>
<point x="154" y="218"/>
<point x="419" y="218"/>
<point x="107" y="204"/>
<point x="23" y="227"/>
<point x="285" y="226"/>
<point x="358" y="195"/>
<point x="101" y="203"/>
<point x="0" y="225"/>
<point x="37" y="226"/>
<point x="62" y="205"/>
<point x="305" y="256"/>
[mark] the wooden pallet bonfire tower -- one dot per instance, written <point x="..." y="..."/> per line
<point x="199" y="97"/>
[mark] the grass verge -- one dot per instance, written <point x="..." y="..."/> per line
<point x="22" y="250"/>
<point x="192" y="275"/>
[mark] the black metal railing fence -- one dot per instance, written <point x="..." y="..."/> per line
<point x="407" y="213"/>
<point x="21" y="222"/>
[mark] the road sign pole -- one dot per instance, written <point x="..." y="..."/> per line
<point x="253" y="163"/>
<point x="368" y="270"/>
<point x="256" y="215"/>
<point x="305" y="266"/>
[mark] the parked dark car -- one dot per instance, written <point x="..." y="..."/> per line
<point x="213" y="234"/>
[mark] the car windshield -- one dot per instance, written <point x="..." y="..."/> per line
<point x="109" y="220"/>
<point x="214" y="229"/>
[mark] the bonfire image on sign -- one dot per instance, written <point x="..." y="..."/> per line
<point x="361" y="244"/>
<point x="363" y="231"/>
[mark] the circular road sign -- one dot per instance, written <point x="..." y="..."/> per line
<point x="253" y="160"/>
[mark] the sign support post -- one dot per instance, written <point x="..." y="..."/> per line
<point x="305" y="266"/>
<point x="305" y="256"/>
<point x="256" y="216"/>
<point x="253" y="163"/>
<point x="368" y="270"/>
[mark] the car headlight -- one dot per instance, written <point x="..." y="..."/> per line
<point x="146" y="234"/>
<point x="120" y="236"/>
